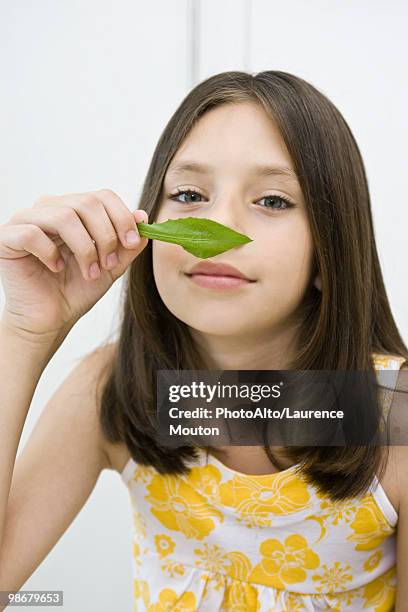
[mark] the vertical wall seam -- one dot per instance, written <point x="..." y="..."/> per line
<point x="247" y="35"/>
<point x="193" y="42"/>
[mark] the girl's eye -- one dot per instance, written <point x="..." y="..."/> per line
<point x="190" y="193"/>
<point x="288" y="203"/>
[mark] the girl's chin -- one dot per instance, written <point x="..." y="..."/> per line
<point x="219" y="324"/>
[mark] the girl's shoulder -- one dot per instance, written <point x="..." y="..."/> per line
<point x="389" y="361"/>
<point x="395" y="478"/>
<point x="117" y="454"/>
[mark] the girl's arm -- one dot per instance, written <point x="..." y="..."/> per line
<point x="57" y="469"/>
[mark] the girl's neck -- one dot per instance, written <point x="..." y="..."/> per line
<point x="262" y="353"/>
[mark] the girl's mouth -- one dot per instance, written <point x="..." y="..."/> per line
<point x="212" y="281"/>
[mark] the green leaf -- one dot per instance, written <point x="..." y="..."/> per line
<point x="200" y="237"/>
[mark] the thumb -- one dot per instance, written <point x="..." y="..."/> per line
<point x="141" y="216"/>
<point x="128" y="255"/>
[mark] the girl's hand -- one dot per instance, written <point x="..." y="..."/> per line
<point x="88" y="232"/>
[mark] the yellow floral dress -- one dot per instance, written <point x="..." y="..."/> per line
<point x="218" y="539"/>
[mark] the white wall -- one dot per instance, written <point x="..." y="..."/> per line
<point x="87" y="89"/>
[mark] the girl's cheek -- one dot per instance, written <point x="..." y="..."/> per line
<point x="166" y="256"/>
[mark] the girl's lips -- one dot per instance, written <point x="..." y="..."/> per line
<point x="217" y="269"/>
<point x="209" y="281"/>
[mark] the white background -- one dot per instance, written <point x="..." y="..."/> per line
<point x="87" y="88"/>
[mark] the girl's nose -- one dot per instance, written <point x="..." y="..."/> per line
<point x="229" y="212"/>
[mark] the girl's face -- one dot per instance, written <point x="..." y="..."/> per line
<point x="233" y="145"/>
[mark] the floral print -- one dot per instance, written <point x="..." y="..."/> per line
<point x="180" y="507"/>
<point x="258" y="501"/>
<point x="369" y="526"/>
<point x="168" y="601"/>
<point x="284" y="563"/>
<point x="334" y="577"/>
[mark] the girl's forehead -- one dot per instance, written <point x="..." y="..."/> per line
<point x="259" y="170"/>
<point x="232" y="123"/>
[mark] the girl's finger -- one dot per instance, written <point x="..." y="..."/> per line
<point x="66" y="223"/>
<point x="18" y="240"/>
<point x="122" y="218"/>
<point x="98" y="224"/>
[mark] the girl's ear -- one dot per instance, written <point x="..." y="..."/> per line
<point x="318" y="282"/>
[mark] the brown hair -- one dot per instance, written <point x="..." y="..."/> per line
<point x="342" y="325"/>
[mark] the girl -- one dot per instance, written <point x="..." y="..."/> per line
<point x="215" y="528"/>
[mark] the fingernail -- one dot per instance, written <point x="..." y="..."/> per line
<point x="132" y="237"/>
<point x="111" y="260"/>
<point x="94" y="271"/>
<point x="141" y="216"/>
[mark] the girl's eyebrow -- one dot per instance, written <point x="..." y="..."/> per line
<point x="259" y="171"/>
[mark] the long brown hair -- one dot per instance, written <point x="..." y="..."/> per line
<point x="342" y="325"/>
